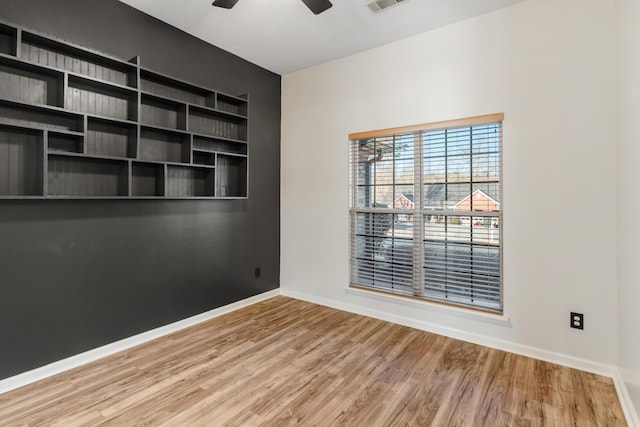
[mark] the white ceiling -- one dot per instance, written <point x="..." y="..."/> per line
<point x="284" y="36"/>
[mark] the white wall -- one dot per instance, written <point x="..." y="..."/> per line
<point x="628" y="25"/>
<point x="549" y="65"/>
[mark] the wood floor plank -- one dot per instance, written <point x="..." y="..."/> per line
<point x="495" y="382"/>
<point x="284" y="362"/>
<point x="161" y="406"/>
<point x="31" y="398"/>
<point x="79" y="398"/>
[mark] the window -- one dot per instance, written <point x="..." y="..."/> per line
<point x="425" y="211"/>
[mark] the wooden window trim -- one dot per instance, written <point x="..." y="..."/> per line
<point x="468" y="121"/>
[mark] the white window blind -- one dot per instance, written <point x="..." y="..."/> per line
<point x="425" y="214"/>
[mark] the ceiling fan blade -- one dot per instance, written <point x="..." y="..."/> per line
<point x="227" y="4"/>
<point x="317" y="6"/>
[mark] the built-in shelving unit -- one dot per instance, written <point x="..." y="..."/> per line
<point x="75" y="123"/>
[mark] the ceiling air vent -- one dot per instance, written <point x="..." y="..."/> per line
<point x="378" y="5"/>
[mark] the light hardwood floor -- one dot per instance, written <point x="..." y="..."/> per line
<point x="286" y="362"/>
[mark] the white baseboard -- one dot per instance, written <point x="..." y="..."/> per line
<point x="54" y="368"/>
<point x="633" y="419"/>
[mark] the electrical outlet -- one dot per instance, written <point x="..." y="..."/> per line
<point x="577" y="320"/>
<point x="257" y="272"/>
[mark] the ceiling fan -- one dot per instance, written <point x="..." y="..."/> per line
<point x="316" y="6"/>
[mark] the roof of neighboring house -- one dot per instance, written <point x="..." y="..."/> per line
<point x="407" y="196"/>
<point x="474" y="193"/>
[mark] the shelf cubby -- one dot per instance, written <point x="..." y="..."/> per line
<point x="39" y="117"/>
<point x="214" y="123"/>
<point x="76" y="176"/>
<point x="231" y="176"/>
<point x="164" y="145"/>
<point x="204" y="158"/>
<point x="21" y="162"/>
<point x="75" y="123"/>
<point x="232" y="104"/>
<point x="184" y="181"/>
<point x="162" y="112"/>
<point x="147" y="179"/>
<point x="45" y="51"/>
<point x="111" y="138"/>
<point x="8" y="40"/>
<point x="203" y="143"/>
<point x="23" y="82"/>
<point x="93" y="97"/>
<point x="65" y="142"/>
<point x="168" y="87"/>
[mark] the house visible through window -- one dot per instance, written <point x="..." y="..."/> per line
<point x="425" y="214"/>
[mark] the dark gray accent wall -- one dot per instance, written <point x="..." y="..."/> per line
<point x="78" y="274"/>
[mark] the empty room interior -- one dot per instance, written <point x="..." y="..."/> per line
<point x="319" y="212"/>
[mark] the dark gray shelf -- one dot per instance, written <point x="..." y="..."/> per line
<point x="165" y="146"/>
<point x="204" y="158"/>
<point x="110" y="138"/>
<point x="92" y="97"/>
<point x="217" y="145"/>
<point x="23" y="150"/>
<point x="232" y="176"/>
<point x="218" y="138"/>
<point x="23" y="82"/>
<point x="39" y="117"/>
<point x="8" y="39"/>
<point x="171" y="88"/>
<point x="46" y="51"/>
<point x="214" y="123"/>
<point x="64" y="142"/>
<point x="84" y="176"/>
<point x="232" y="104"/>
<point x="161" y="112"/>
<point x="76" y="124"/>
<point x="147" y="179"/>
<point x="184" y="181"/>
